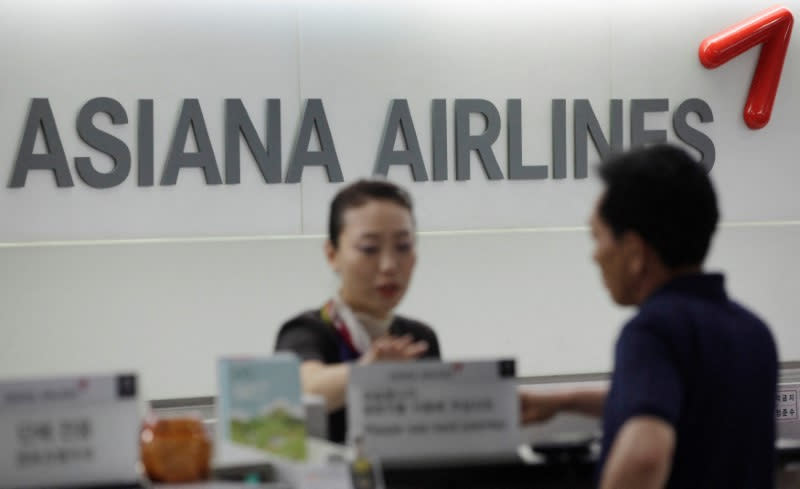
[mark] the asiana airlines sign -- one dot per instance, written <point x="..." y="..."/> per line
<point x="400" y="131"/>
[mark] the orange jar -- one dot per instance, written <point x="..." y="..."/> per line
<point x="175" y="450"/>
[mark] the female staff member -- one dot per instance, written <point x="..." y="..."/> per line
<point x="372" y="248"/>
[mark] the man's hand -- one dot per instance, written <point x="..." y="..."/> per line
<point x="536" y="407"/>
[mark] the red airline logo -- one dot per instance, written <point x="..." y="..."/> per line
<point x="772" y="28"/>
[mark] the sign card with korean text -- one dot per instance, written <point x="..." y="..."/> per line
<point x="429" y="410"/>
<point x="76" y="431"/>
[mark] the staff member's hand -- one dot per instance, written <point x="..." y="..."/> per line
<point x="394" y="349"/>
<point x="536" y="407"/>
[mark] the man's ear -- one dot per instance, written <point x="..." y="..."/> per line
<point x="635" y="249"/>
<point x="330" y="254"/>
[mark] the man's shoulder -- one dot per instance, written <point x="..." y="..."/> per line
<point x="674" y="308"/>
<point x="746" y="313"/>
<point x="656" y="314"/>
<point x="680" y="321"/>
<point x="754" y="330"/>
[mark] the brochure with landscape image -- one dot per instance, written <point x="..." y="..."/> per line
<point x="260" y="404"/>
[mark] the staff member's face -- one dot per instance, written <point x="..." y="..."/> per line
<point x="620" y="259"/>
<point x="375" y="256"/>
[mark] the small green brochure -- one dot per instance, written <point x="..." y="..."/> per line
<point x="260" y="404"/>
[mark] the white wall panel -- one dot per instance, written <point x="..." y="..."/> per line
<point x="168" y="310"/>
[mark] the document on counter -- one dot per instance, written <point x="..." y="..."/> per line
<point x="424" y="411"/>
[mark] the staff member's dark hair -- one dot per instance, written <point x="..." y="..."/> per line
<point x="664" y="195"/>
<point x="359" y="193"/>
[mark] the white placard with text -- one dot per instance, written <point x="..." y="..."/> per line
<point x="786" y="410"/>
<point x="422" y="411"/>
<point x="77" y="431"/>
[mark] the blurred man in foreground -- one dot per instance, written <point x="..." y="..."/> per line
<point x="692" y="395"/>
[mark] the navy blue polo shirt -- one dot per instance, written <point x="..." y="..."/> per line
<point x="708" y="367"/>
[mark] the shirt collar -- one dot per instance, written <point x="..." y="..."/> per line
<point x="705" y="285"/>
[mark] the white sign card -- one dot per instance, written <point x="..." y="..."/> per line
<point x="423" y="411"/>
<point x="69" y="431"/>
<point x="786" y="410"/>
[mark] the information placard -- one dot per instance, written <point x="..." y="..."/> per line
<point x="786" y="410"/>
<point x="260" y="404"/>
<point x="69" y="431"/>
<point x="424" y="411"/>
